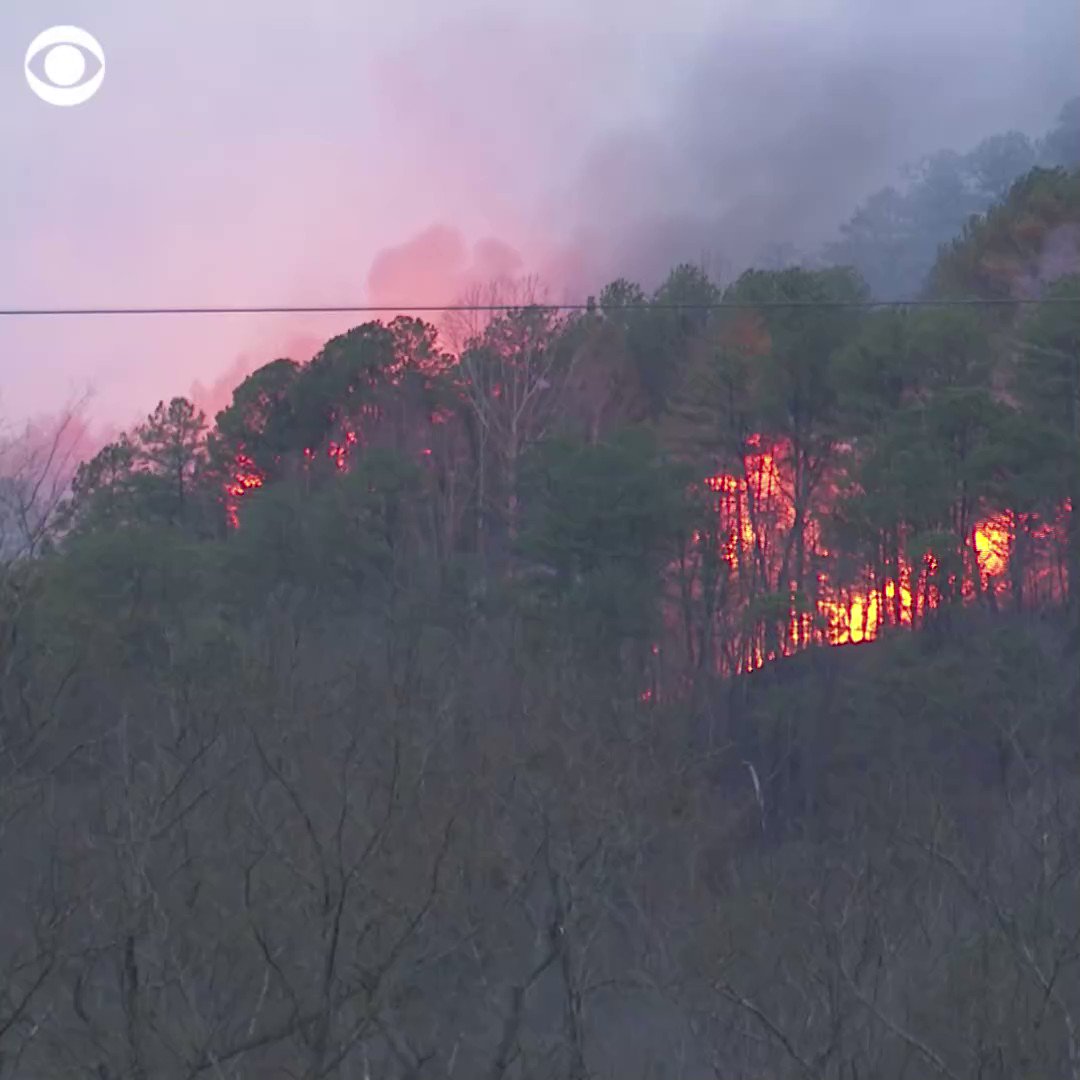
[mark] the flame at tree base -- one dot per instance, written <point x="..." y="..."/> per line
<point x="754" y="518"/>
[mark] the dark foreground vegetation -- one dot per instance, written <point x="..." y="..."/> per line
<point x="472" y="713"/>
<point x="410" y="847"/>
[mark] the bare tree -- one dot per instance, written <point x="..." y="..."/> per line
<point x="515" y="376"/>
<point x="36" y="468"/>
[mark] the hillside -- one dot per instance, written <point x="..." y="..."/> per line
<point x="685" y="686"/>
<point x="253" y="842"/>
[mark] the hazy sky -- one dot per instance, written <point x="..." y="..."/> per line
<point x="260" y="152"/>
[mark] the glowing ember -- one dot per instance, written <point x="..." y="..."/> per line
<point x="339" y="452"/>
<point x="246" y="477"/>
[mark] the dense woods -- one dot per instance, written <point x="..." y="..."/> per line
<point x="482" y="712"/>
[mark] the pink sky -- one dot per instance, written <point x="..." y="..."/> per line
<point x="258" y="152"/>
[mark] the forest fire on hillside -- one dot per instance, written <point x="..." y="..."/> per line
<point x="753" y="538"/>
<point x="755" y="515"/>
<point x="247" y="476"/>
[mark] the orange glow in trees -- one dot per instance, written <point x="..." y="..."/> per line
<point x="246" y="477"/>
<point x="755" y="514"/>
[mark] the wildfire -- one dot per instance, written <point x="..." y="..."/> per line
<point x="754" y="515"/>
<point x="246" y="477"/>
<point x="760" y="486"/>
<point x="859" y="616"/>
<point x="993" y="545"/>
<point x="339" y="452"/>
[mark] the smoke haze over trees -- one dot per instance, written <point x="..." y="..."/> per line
<point x="484" y="703"/>
<point x="684" y="686"/>
<point x="588" y="142"/>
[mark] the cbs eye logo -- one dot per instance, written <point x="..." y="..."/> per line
<point x="63" y="54"/>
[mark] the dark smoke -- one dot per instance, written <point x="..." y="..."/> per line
<point x="782" y="126"/>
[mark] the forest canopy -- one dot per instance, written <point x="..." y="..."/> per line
<point x="485" y="712"/>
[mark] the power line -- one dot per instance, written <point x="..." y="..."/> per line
<point x="355" y="309"/>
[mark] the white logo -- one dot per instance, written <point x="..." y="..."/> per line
<point x="65" y="63"/>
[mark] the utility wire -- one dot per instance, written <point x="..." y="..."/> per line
<point x="371" y="309"/>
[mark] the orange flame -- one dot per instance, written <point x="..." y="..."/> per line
<point x="246" y="477"/>
<point x="994" y="539"/>
<point x="755" y="510"/>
